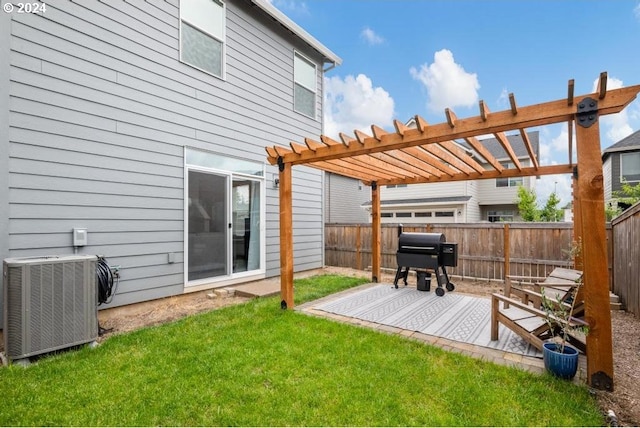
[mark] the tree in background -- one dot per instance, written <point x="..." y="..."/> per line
<point x="527" y="204"/>
<point x="629" y="194"/>
<point x="551" y="212"/>
<point x="528" y="207"/>
<point x="626" y="197"/>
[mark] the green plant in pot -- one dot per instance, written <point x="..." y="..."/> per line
<point x="560" y="358"/>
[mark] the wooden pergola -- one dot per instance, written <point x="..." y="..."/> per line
<point x="428" y="154"/>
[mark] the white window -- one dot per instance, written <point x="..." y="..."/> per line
<point x="202" y="34"/>
<point x="509" y="182"/>
<point x="630" y="167"/>
<point x="496" y="216"/>
<point x="305" y="81"/>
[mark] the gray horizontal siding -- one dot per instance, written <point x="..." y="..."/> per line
<point x="100" y="111"/>
<point x="308" y="233"/>
<point x="25" y="226"/>
<point x="5" y="71"/>
<point x="344" y="198"/>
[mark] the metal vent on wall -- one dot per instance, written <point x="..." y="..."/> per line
<point x="51" y="303"/>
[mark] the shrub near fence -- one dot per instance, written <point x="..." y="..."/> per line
<point x="533" y="249"/>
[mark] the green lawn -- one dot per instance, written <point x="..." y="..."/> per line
<point x="254" y="364"/>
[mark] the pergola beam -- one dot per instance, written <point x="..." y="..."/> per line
<point x="482" y="151"/>
<point x="527" y="144"/>
<point x="506" y="173"/>
<point x="502" y="139"/>
<point x="530" y="116"/>
<point x="430" y="160"/>
<point x="448" y="157"/>
<point x="445" y="150"/>
<point x="394" y="162"/>
<point x="461" y="154"/>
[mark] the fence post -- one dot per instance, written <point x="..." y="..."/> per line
<point x="358" y="248"/>
<point x="376" y="231"/>
<point x="506" y="252"/>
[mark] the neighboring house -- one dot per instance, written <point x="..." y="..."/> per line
<point x="344" y="199"/>
<point x="621" y="162"/>
<point x="145" y="123"/>
<point x="462" y="201"/>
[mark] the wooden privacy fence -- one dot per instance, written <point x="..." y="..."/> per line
<point x="625" y="231"/>
<point x="531" y="249"/>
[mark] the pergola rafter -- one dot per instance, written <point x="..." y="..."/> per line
<point x="429" y="153"/>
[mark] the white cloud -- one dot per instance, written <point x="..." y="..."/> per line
<point x="503" y="99"/>
<point x="615" y="126"/>
<point x="636" y="11"/>
<point x="371" y="37"/>
<point x="555" y="150"/>
<point x="353" y="103"/>
<point x="447" y="83"/>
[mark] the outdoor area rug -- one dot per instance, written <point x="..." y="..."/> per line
<point x="454" y="316"/>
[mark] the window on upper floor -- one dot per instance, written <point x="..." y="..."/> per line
<point x="511" y="181"/>
<point x="202" y="35"/>
<point x="630" y="167"/>
<point x="304" y="82"/>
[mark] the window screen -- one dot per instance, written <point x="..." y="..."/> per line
<point x="304" y="75"/>
<point x="202" y="34"/>
<point x="630" y="166"/>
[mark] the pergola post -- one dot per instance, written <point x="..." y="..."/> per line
<point x="286" y="235"/>
<point x="594" y="246"/>
<point x="376" y="232"/>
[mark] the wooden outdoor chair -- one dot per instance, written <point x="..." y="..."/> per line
<point x="520" y="308"/>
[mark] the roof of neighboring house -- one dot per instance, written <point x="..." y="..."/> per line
<point x="496" y="149"/>
<point x="422" y="200"/>
<point x="630" y="143"/>
<point x="297" y="30"/>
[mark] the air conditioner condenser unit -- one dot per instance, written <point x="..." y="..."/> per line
<point x="50" y="303"/>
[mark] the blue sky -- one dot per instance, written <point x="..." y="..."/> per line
<point x="406" y="57"/>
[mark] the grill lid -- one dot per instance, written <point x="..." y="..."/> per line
<point x="420" y="243"/>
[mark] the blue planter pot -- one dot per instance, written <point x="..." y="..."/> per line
<point x="563" y="365"/>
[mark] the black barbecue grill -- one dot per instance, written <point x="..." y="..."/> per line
<point x="427" y="253"/>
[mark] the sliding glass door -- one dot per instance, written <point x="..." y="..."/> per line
<point x="224" y="218"/>
<point x="208" y="225"/>
<point x="246" y="224"/>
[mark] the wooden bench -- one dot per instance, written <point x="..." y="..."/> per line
<point x="520" y="308"/>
